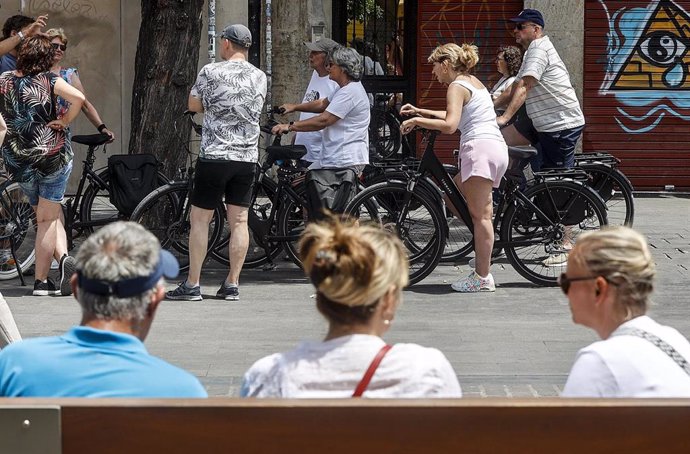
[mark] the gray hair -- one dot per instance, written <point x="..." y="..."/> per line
<point x="349" y="60"/>
<point x="622" y="256"/>
<point x="121" y="250"/>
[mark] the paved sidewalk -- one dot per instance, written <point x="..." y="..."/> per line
<point x="519" y="341"/>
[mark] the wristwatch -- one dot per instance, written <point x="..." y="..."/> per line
<point x="21" y="36"/>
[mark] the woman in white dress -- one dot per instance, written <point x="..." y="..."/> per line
<point x="609" y="280"/>
<point x="359" y="274"/>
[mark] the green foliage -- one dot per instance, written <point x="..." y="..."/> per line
<point x="361" y="10"/>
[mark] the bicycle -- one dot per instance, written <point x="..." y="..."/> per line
<point x="17" y="231"/>
<point x="84" y="212"/>
<point x="532" y="225"/>
<point x="90" y="207"/>
<point x="166" y="211"/>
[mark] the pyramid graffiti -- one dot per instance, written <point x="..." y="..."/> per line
<point x="660" y="60"/>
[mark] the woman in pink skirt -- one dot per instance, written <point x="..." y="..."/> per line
<point x="483" y="152"/>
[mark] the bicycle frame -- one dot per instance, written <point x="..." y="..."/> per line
<point x="430" y="164"/>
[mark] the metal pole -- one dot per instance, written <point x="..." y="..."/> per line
<point x="212" y="31"/>
<point x="269" y="63"/>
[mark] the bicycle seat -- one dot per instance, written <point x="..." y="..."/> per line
<point x="526" y="152"/>
<point x="92" y="140"/>
<point x="281" y="152"/>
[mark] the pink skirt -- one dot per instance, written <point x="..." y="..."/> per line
<point x="486" y="158"/>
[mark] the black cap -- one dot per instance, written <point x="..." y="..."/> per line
<point x="529" y="15"/>
<point x="238" y="34"/>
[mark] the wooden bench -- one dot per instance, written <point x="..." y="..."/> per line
<point x="132" y="426"/>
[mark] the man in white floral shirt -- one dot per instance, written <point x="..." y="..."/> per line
<point x="231" y="94"/>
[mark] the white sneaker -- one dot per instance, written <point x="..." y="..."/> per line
<point x="558" y="259"/>
<point x="474" y="283"/>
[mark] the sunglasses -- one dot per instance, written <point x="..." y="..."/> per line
<point x="564" y="281"/>
<point x="56" y="46"/>
<point x="522" y="25"/>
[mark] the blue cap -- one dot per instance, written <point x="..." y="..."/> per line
<point x="529" y="15"/>
<point x="167" y="266"/>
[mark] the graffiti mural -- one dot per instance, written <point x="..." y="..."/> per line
<point x="648" y="64"/>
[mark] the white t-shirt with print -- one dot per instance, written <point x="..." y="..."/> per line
<point x="346" y="142"/>
<point x="629" y="366"/>
<point x="232" y="93"/>
<point x="334" y="368"/>
<point x="318" y="88"/>
<point x="551" y="104"/>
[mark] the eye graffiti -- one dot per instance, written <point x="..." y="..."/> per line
<point x="648" y="59"/>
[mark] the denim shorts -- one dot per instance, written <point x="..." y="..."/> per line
<point x="50" y="187"/>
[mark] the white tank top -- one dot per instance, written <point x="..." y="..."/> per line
<point x="478" y="119"/>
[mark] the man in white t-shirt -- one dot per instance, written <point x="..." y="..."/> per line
<point x="543" y="84"/>
<point x="320" y="86"/>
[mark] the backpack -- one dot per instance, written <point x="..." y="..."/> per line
<point x="132" y="177"/>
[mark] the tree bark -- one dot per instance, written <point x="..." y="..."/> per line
<point x="165" y="70"/>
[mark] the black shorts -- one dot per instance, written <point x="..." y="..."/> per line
<point x="524" y="125"/>
<point x="213" y="178"/>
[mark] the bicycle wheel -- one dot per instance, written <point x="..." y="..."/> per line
<point x="538" y="248"/>
<point x="259" y="214"/>
<point x="165" y="212"/>
<point x="616" y="190"/>
<point x="292" y="219"/>
<point x="18" y="229"/>
<point x="422" y="229"/>
<point x="385" y="133"/>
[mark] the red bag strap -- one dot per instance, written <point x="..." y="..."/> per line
<point x="364" y="382"/>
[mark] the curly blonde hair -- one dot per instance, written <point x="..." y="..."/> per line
<point x="461" y="58"/>
<point x="620" y="255"/>
<point x="57" y="33"/>
<point x="352" y="268"/>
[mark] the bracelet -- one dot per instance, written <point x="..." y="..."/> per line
<point x="21" y="36"/>
<point x="101" y="127"/>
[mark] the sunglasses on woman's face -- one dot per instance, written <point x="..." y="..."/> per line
<point x="564" y="281"/>
<point x="56" y="46"/>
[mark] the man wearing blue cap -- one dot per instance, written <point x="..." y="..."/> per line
<point x="543" y="84"/>
<point x="119" y="284"/>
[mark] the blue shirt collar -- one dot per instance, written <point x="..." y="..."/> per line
<point x="104" y="339"/>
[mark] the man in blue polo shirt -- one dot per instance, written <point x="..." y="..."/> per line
<point x="119" y="284"/>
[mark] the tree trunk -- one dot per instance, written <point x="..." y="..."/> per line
<point x="165" y="70"/>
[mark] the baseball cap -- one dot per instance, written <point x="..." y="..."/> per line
<point x="322" y="45"/>
<point x="238" y="34"/>
<point x="529" y="15"/>
<point x="167" y="266"/>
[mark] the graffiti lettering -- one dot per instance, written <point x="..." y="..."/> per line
<point x="84" y="8"/>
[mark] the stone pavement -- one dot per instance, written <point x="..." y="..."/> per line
<point x="519" y="341"/>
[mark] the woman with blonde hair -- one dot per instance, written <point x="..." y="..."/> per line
<point x="609" y="280"/>
<point x="359" y="274"/>
<point x="483" y="155"/>
<point x="58" y="39"/>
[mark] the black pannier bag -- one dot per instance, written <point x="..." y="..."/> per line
<point x="565" y="207"/>
<point x="329" y="189"/>
<point x="132" y="177"/>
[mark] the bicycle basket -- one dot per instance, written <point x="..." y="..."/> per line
<point x="132" y="177"/>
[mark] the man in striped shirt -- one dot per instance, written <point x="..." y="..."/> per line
<point x="555" y="119"/>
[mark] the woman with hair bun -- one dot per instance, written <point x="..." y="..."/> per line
<point x="609" y="280"/>
<point x="483" y="155"/>
<point x="359" y="274"/>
